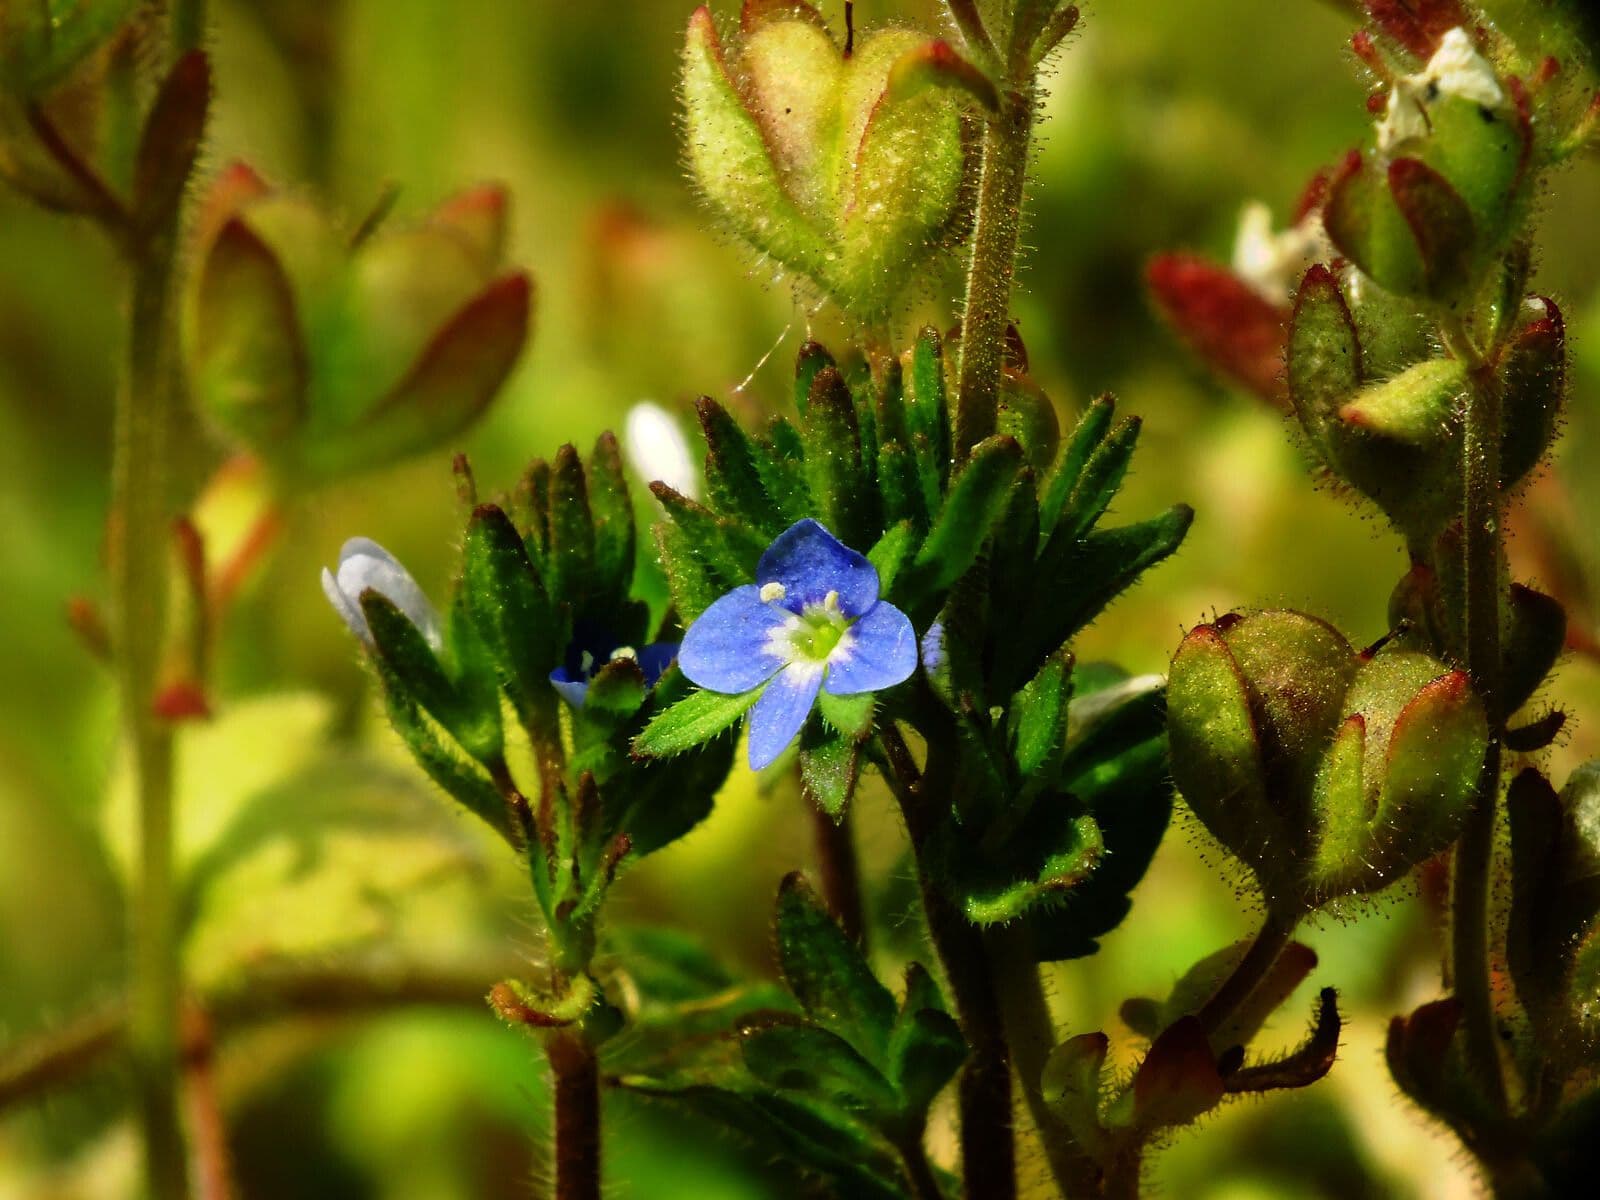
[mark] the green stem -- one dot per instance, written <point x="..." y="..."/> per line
<point x="1263" y="953"/>
<point x="1483" y="563"/>
<point x="996" y="237"/>
<point x="576" y="1070"/>
<point x="1031" y="1034"/>
<point x="988" y="1144"/>
<point x="146" y="410"/>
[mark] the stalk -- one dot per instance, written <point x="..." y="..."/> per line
<point x="146" y="409"/>
<point x="146" y="417"/>
<point x="1031" y="1034"/>
<point x="988" y="1149"/>
<point x="576" y="1071"/>
<point x="840" y="871"/>
<point x="1483" y="551"/>
<point x="996" y="237"/>
<point x="919" y="1171"/>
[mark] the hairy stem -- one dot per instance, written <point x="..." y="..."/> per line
<point x="1483" y="552"/>
<point x="576" y="1070"/>
<point x="996" y="236"/>
<point x="1031" y="1034"/>
<point x="840" y="871"/>
<point x="988" y="1150"/>
<point x="188" y="25"/>
<point x="1259" y="959"/>
<point x="146" y="412"/>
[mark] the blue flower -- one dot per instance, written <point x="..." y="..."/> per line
<point x="592" y="648"/>
<point x="812" y="620"/>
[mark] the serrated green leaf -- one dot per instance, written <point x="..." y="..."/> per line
<point x="835" y="473"/>
<point x="926" y="1052"/>
<point x="827" y="974"/>
<point x="1097" y="485"/>
<point x="690" y="582"/>
<point x="724" y="544"/>
<point x="692" y="722"/>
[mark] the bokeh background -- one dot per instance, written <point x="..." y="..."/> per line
<point x="1164" y="117"/>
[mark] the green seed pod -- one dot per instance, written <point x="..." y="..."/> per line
<point x="1327" y="775"/>
<point x="325" y="359"/>
<point x="1252" y="702"/>
<point x="846" y="169"/>
<point x="1399" y="778"/>
<point x="1427" y="211"/>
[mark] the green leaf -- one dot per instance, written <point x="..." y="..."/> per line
<point x="734" y="480"/>
<point x="977" y="499"/>
<point x="1039" y="719"/>
<point x="926" y="1048"/>
<point x="813" y="357"/>
<point x="1097" y="485"/>
<point x="892" y="552"/>
<point x="820" y="1065"/>
<point x="1086" y="438"/>
<point x="572" y="549"/>
<point x="691" y="722"/>
<point x="690" y="582"/>
<point x="507" y="603"/>
<point x="928" y="414"/>
<point x="1324" y="361"/>
<point x="724" y="544"/>
<point x="1077" y="581"/>
<point x="834" y="470"/>
<point x="827" y="973"/>
<point x="849" y="715"/>
<point x="1071" y="1086"/>
<point x="612" y="509"/>
<point x="830" y="764"/>
<point x="412" y="666"/>
<point x="900" y="486"/>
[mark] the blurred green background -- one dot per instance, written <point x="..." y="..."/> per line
<point x="1165" y="116"/>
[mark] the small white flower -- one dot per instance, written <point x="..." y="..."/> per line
<point x="1272" y="263"/>
<point x="364" y="564"/>
<point x="656" y="448"/>
<point x="1456" y="69"/>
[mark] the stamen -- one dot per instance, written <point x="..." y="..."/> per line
<point x="831" y="601"/>
<point x="624" y="652"/>
<point x="772" y="591"/>
<point x="586" y="663"/>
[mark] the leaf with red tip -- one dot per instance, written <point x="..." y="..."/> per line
<point x="1533" y="377"/>
<point x="1440" y="221"/>
<point x="481" y="216"/>
<point x="1178" y="1080"/>
<point x="170" y="140"/>
<point x="1228" y="324"/>
<point x="1365" y="224"/>
<point x="184" y="700"/>
<point x="936" y="64"/>
<point x="1430" y="770"/>
<point x="455" y="378"/>
<point x="234" y="187"/>
<point x="248" y="367"/>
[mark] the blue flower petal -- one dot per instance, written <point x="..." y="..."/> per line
<point x="877" y="652"/>
<point x="810" y="562"/>
<point x="571" y="686"/>
<point x="655" y="658"/>
<point x="726" y="650"/>
<point x="933" y="647"/>
<point x="781" y="712"/>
